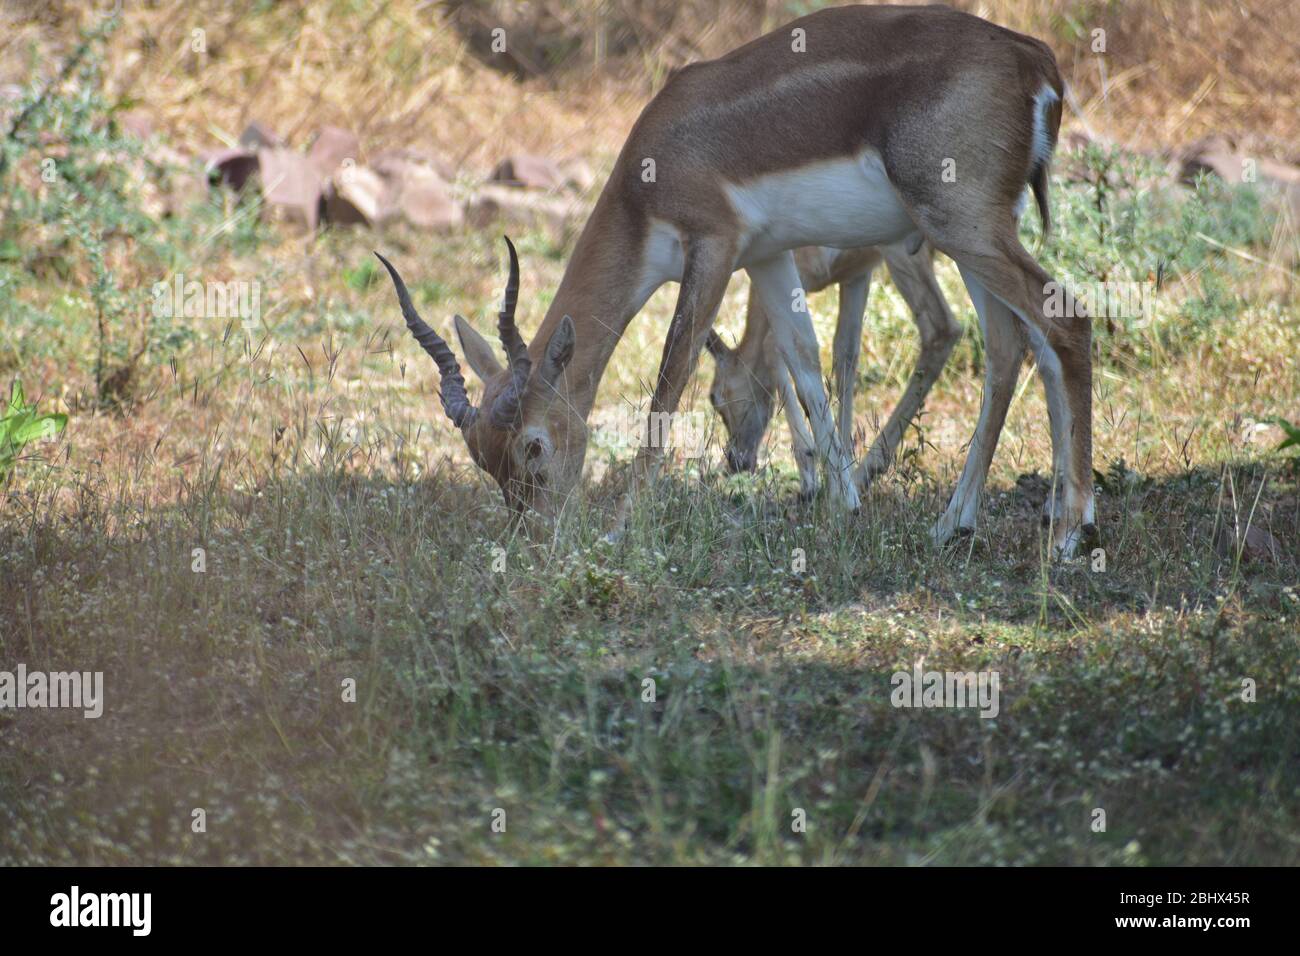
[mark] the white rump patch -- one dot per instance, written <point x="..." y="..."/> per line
<point x="1041" y="150"/>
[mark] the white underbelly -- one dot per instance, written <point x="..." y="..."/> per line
<point x="842" y="203"/>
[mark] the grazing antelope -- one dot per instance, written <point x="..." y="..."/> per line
<point x="749" y="376"/>
<point x="853" y="126"/>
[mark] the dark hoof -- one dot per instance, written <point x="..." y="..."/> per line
<point x="1091" y="534"/>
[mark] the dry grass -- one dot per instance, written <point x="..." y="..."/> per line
<point x="347" y="537"/>
<point x="395" y="72"/>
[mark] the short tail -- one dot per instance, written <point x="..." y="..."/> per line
<point x="1047" y="124"/>
<point x="1038" y="183"/>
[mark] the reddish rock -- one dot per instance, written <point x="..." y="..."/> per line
<point x="418" y="193"/>
<point x="260" y="136"/>
<point x="331" y="147"/>
<point x="426" y="201"/>
<point x="291" y="185"/>
<point x="230" y="167"/>
<point x="579" y="176"/>
<point x="1215" y="154"/>
<point x="416" y="157"/>
<point x="1220" y="155"/>
<point x="498" y="203"/>
<point x="357" y="196"/>
<point x="528" y="172"/>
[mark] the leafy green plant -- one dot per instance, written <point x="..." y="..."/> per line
<point x="76" y="216"/>
<point x="1292" y="439"/>
<point x="362" y="277"/>
<point x="1118" y="226"/>
<point x="21" y="424"/>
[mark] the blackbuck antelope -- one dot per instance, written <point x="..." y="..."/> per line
<point x="854" y="126"/>
<point x="748" y="377"/>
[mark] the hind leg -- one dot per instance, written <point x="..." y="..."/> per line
<point x="1062" y="349"/>
<point x="1004" y="346"/>
<point x="802" y="444"/>
<point x="998" y="264"/>
<point x="1049" y="371"/>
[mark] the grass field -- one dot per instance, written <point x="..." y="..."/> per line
<point x="318" y="625"/>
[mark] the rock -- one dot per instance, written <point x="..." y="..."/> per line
<point x="330" y="148"/>
<point x="259" y="136"/>
<point x="1219" y="154"/>
<point x="579" y="176"/>
<point x="526" y="171"/>
<point x="418" y="193"/>
<point x="1215" y="154"/>
<point x="1075" y="141"/>
<point x="230" y="167"/>
<point x="1257" y="545"/>
<point x="397" y="187"/>
<point x="416" y="157"/>
<point x="430" y="206"/>
<point x="497" y="203"/>
<point x="357" y="196"/>
<point x="291" y="185"/>
<point x="426" y="201"/>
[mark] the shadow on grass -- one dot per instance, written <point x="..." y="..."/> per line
<point x="364" y="671"/>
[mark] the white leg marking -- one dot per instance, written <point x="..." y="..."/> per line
<point x="1058" y="414"/>
<point x="1004" y="347"/>
<point x="802" y="443"/>
<point x="848" y="345"/>
<point x="777" y="280"/>
<point x="1061" y="424"/>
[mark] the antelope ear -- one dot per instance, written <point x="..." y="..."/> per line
<point x="717" y="348"/>
<point x="559" y="350"/>
<point x="477" y="351"/>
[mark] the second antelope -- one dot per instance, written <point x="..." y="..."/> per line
<point x="749" y="377"/>
<point x="854" y="126"/>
